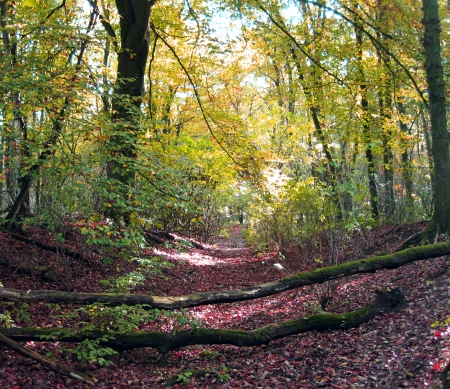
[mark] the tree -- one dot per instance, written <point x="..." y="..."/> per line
<point x="366" y="125"/>
<point x="60" y="73"/>
<point x="440" y="221"/>
<point x="132" y="57"/>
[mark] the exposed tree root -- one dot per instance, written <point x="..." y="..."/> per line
<point x="429" y="234"/>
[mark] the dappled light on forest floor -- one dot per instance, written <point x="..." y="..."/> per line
<point x="205" y="258"/>
<point x="406" y="349"/>
<point x="223" y="250"/>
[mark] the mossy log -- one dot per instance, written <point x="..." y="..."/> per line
<point x="369" y="265"/>
<point x="164" y="342"/>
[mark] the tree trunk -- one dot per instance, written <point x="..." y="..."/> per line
<point x="128" y="92"/>
<point x="366" y="128"/>
<point x="166" y="341"/>
<point x="440" y="222"/>
<point x="369" y="265"/>
<point x="385" y="104"/>
<point x="406" y="163"/>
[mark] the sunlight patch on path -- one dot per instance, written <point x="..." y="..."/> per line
<point x="198" y="258"/>
<point x="224" y="250"/>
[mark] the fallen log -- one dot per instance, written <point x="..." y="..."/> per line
<point x="165" y="341"/>
<point x="41" y="359"/>
<point x="369" y="265"/>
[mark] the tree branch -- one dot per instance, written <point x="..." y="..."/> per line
<point x="197" y="96"/>
<point x="37" y="357"/>
<point x="376" y="42"/>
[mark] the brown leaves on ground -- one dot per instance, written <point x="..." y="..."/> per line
<point x="398" y="350"/>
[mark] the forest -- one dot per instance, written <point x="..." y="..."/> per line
<point x="224" y="194"/>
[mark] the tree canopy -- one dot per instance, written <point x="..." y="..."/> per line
<point x="174" y="115"/>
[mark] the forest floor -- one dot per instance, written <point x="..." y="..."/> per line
<point x="396" y="350"/>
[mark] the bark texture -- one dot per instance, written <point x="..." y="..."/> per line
<point x="128" y="91"/>
<point x="440" y="221"/>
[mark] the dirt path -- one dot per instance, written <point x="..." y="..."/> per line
<point x="397" y="350"/>
<point x="224" y="249"/>
<point x="235" y="240"/>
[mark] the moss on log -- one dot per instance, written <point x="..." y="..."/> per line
<point x="369" y="265"/>
<point x="165" y="342"/>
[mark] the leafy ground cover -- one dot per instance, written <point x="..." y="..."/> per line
<point x="396" y="350"/>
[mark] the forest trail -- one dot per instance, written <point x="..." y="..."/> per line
<point x="392" y="351"/>
<point x="230" y="248"/>
<point x="234" y="239"/>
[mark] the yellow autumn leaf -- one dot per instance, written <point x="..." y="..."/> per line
<point x="30" y="3"/>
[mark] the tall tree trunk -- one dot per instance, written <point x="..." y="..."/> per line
<point x="428" y="206"/>
<point x="106" y="53"/>
<point x="406" y="163"/>
<point x="128" y="92"/>
<point x="440" y="221"/>
<point x="5" y="37"/>
<point x="366" y="129"/>
<point x="385" y="107"/>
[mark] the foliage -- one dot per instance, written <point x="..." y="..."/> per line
<point x="303" y="119"/>
<point x="15" y="313"/>
<point x="223" y="375"/>
<point x="118" y="320"/>
<point x="184" y="378"/>
<point x="444" y="323"/>
<point x="6" y="320"/>
<point x="218" y="112"/>
<point x="127" y="282"/>
<point x="298" y="210"/>
<point x="91" y="351"/>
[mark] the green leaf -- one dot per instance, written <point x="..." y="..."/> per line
<point x="30" y="3"/>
